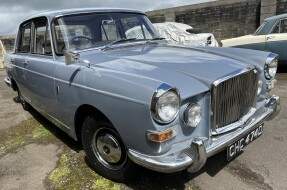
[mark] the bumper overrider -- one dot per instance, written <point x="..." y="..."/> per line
<point x="194" y="157"/>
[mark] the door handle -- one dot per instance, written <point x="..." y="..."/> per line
<point x="26" y="62"/>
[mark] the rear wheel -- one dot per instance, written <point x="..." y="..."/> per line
<point x="26" y="106"/>
<point x="105" y="150"/>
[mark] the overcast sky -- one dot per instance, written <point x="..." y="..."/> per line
<point x="12" y="12"/>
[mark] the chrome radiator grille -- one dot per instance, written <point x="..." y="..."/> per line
<point x="233" y="98"/>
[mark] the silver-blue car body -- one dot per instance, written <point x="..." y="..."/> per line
<point x="139" y="100"/>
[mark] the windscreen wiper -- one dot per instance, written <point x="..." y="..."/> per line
<point x="118" y="41"/>
<point x="154" y="39"/>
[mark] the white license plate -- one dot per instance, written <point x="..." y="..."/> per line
<point x="235" y="148"/>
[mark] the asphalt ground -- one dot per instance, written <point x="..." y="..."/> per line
<point x="34" y="154"/>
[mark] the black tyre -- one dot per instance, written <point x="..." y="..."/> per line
<point x="26" y="106"/>
<point x="106" y="151"/>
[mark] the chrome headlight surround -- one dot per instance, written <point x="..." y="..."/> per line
<point x="193" y="115"/>
<point x="271" y="65"/>
<point x="165" y="104"/>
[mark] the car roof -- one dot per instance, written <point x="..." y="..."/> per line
<point x="269" y="24"/>
<point x="276" y="17"/>
<point x="63" y="12"/>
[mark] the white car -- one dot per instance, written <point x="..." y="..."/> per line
<point x="176" y="34"/>
<point x="182" y="34"/>
<point x="271" y="36"/>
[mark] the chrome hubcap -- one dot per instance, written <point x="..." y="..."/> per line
<point x="108" y="148"/>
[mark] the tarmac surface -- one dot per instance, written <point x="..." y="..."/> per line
<point x="34" y="154"/>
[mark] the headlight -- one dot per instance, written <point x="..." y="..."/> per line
<point x="271" y="66"/>
<point x="165" y="104"/>
<point x="192" y="115"/>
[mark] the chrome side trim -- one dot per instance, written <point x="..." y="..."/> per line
<point x="51" y="118"/>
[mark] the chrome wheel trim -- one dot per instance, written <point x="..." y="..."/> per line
<point x="108" y="149"/>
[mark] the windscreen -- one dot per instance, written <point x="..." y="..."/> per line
<point x="84" y="31"/>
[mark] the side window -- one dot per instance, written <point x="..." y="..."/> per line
<point x="42" y="44"/>
<point x="276" y="28"/>
<point x="283" y="26"/>
<point x="25" y="40"/>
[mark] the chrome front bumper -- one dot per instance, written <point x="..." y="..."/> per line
<point x="194" y="157"/>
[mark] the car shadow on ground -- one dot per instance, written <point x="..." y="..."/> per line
<point x="57" y="132"/>
<point x="147" y="179"/>
<point x="144" y="178"/>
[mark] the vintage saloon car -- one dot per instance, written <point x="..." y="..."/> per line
<point x="137" y="99"/>
<point x="270" y="36"/>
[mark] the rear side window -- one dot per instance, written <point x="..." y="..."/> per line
<point x="276" y="28"/>
<point x="25" y="41"/>
<point x="42" y="44"/>
<point x="283" y="26"/>
<point x="280" y="27"/>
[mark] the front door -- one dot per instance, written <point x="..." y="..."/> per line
<point x="40" y="69"/>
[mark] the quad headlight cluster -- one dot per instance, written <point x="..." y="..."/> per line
<point x="271" y="64"/>
<point x="165" y="107"/>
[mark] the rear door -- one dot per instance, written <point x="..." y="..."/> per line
<point x="23" y="49"/>
<point x="40" y="68"/>
<point x="277" y="40"/>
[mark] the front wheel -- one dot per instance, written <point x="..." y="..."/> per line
<point x="105" y="150"/>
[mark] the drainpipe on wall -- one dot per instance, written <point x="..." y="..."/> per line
<point x="268" y="9"/>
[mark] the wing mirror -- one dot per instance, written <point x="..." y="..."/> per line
<point x="73" y="57"/>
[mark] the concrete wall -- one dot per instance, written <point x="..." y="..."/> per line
<point x="224" y="18"/>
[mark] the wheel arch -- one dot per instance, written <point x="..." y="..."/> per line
<point x="82" y="112"/>
<point x="14" y="85"/>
